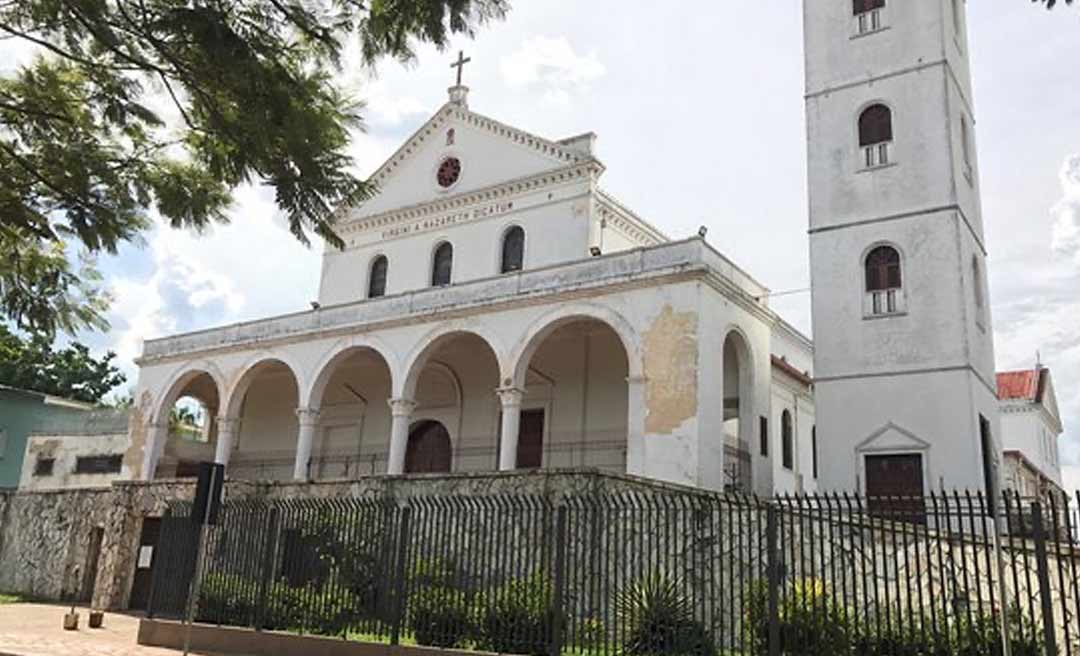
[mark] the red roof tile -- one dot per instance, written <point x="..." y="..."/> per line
<point x="1019" y="384"/>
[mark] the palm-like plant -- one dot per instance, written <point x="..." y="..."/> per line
<point x="658" y="618"/>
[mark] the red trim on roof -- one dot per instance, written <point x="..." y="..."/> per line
<point x="1026" y="385"/>
<point x="786" y="367"/>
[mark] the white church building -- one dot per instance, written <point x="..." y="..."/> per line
<point x="495" y="309"/>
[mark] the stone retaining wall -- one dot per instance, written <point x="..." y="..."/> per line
<point x="45" y="536"/>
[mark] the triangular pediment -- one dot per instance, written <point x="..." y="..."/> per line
<point x="892" y="437"/>
<point x="489" y="152"/>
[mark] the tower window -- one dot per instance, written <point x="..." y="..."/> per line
<point x="442" y="265"/>
<point x="867" y="15"/>
<point x="883" y="280"/>
<point x="977" y="286"/>
<point x="377" y="277"/>
<point x="513" y="250"/>
<point x="813" y="448"/>
<point x="787" y="446"/>
<point x="875" y="135"/>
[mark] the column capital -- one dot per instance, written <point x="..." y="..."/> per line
<point x="307" y="416"/>
<point x="636" y="380"/>
<point x="510" y="396"/>
<point x="401" y="407"/>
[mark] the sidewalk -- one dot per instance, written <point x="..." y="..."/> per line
<point x="37" y="630"/>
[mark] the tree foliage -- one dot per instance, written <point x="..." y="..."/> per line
<point x="33" y="363"/>
<point x="144" y="108"/>
<point x="1050" y="3"/>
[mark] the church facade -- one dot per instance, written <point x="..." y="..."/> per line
<point x="495" y="309"/>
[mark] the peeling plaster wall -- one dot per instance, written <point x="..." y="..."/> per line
<point x="66" y="450"/>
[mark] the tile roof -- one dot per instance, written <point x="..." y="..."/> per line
<point x="1020" y="385"/>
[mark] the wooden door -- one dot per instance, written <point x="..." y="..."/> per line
<point x="895" y="486"/>
<point x="429" y="449"/>
<point x="530" y="453"/>
<point x="144" y="563"/>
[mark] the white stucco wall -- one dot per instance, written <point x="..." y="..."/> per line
<point x="66" y="450"/>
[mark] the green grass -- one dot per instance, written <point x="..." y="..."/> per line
<point x="11" y="599"/>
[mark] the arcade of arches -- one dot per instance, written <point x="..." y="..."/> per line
<point x="570" y="409"/>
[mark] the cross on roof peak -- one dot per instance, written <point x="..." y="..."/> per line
<point x="460" y="64"/>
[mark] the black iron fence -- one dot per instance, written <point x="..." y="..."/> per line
<point x="691" y="574"/>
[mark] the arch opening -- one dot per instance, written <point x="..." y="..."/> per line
<point x="190" y="411"/>
<point x="429" y="450"/>
<point x="574" y="411"/>
<point x="738" y="413"/>
<point x="453" y="381"/>
<point x="265" y="401"/>
<point x="351" y="393"/>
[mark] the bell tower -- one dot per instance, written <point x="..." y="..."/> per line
<point x="905" y="387"/>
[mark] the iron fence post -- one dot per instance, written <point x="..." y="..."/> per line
<point x="266" y="571"/>
<point x="1043" y="566"/>
<point x="400" y="569"/>
<point x="772" y="539"/>
<point x="559" y="583"/>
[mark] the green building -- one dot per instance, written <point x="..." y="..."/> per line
<point x="21" y="413"/>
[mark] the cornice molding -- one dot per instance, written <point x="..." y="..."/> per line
<point x="471" y="200"/>
<point x="626" y="221"/>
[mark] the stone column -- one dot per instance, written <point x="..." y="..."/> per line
<point x="401" y="410"/>
<point x="157" y="434"/>
<point x="510" y="398"/>
<point x="226" y="437"/>
<point x="309" y="420"/>
<point x="635" y="426"/>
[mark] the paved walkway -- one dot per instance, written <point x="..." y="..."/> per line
<point x="37" y="630"/>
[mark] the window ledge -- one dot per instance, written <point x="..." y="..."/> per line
<point x="860" y="35"/>
<point x="885" y="315"/>
<point x="876" y="167"/>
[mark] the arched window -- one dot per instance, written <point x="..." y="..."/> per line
<point x="965" y="144"/>
<point x="787" y="446"/>
<point x="377" y="277"/>
<point x="442" y="265"/>
<point x="883" y="280"/>
<point x="813" y="446"/>
<point x="867" y="15"/>
<point x="513" y="249"/>
<point x="875" y="135"/>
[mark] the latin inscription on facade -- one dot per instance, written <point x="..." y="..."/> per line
<point x="434" y="223"/>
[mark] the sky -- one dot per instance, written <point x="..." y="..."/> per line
<point x="699" y="111"/>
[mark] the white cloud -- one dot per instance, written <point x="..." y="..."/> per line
<point x="1070" y="477"/>
<point x="551" y="65"/>
<point x="252" y="268"/>
<point x="1066" y="231"/>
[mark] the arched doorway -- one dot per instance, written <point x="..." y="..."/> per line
<point x="429" y="450"/>
<point x="738" y="417"/>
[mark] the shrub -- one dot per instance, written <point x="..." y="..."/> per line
<point x="812" y="622"/>
<point x="590" y="634"/>
<point x="517" y="618"/>
<point x="440" y="617"/>
<point x="659" y="619"/>
<point x="220" y="601"/>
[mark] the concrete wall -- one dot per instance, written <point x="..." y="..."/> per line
<point x="20" y="413"/>
<point x="65" y="450"/>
